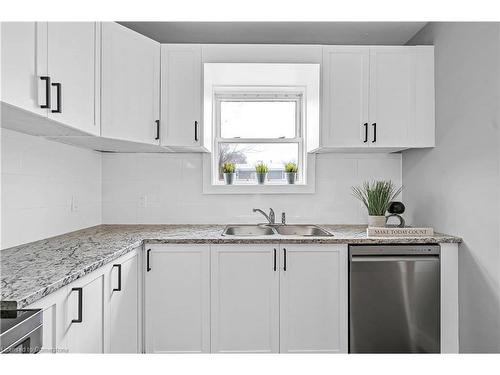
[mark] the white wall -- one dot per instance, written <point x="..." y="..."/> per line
<point x="167" y="188"/>
<point x="455" y="186"/>
<point x="39" y="179"/>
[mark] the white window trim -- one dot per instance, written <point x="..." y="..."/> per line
<point x="258" y="95"/>
<point x="265" y="76"/>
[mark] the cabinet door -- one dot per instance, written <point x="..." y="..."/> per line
<point x="130" y="85"/>
<point x="24" y="61"/>
<point x="313" y="298"/>
<point x="345" y="96"/>
<point x="53" y="320"/>
<point x="177" y="296"/>
<point x="245" y="299"/>
<point x="392" y="95"/>
<point x="124" y="305"/>
<point x="85" y="315"/>
<point x="73" y="63"/>
<point x="181" y="95"/>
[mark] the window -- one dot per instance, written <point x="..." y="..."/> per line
<point x="252" y="127"/>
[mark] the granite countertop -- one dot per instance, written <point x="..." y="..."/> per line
<point x="30" y="272"/>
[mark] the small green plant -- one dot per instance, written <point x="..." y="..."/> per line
<point x="376" y="196"/>
<point x="228" y="167"/>
<point x="261" y="168"/>
<point x="291" y="167"/>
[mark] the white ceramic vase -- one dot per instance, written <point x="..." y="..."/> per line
<point x="376" y="221"/>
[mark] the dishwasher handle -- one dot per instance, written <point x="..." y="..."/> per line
<point x="393" y="258"/>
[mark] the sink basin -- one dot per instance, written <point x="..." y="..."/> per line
<point x="247" y="230"/>
<point x="302" y="230"/>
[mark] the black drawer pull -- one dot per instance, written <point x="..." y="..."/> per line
<point x="157" y="129"/>
<point x="374" y="132"/>
<point x="148" y="268"/>
<point x="284" y="259"/>
<point x="274" y="267"/>
<point x="119" y="266"/>
<point x="58" y="87"/>
<point x="196" y="131"/>
<point x="80" y="305"/>
<point x="366" y="132"/>
<point x="47" y="92"/>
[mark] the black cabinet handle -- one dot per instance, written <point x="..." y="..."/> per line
<point x="148" y="268"/>
<point x="366" y="132"/>
<point x="196" y="131"/>
<point x="284" y="259"/>
<point x="274" y="267"/>
<point x="80" y="305"/>
<point x="47" y="92"/>
<point x="119" y="266"/>
<point x="374" y="132"/>
<point x="58" y="87"/>
<point x="157" y="129"/>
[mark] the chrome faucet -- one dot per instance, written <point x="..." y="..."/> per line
<point x="270" y="218"/>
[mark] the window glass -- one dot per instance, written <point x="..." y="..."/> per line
<point x="246" y="155"/>
<point x="257" y="119"/>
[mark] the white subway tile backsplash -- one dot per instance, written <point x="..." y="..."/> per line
<point x="167" y="188"/>
<point x="40" y="178"/>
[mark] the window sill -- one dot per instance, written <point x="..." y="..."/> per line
<point x="259" y="189"/>
<point x="269" y="188"/>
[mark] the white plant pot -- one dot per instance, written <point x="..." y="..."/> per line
<point x="376" y="221"/>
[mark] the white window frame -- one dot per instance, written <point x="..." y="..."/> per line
<point x="253" y="95"/>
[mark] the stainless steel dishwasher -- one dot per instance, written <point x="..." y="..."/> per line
<point x="394" y="299"/>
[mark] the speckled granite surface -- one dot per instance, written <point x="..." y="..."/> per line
<point x="30" y="272"/>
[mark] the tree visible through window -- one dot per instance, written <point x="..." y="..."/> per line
<point x="253" y="127"/>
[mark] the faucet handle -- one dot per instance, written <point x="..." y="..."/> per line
<point x="271" y="216"/>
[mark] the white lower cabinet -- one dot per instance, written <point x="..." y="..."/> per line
<point x="177" y="298"/>
<point x="124" y="308"/>
<point x="91" y="316"/>
<point x="85" y="314"/>
<point x="54" y="322"/>
<point x="313" y="298"/>
<point x="245" y="298"/>
<point x="200" y="298"/>
<point x="267" y="298"/>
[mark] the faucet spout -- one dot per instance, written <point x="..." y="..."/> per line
<point x="270" y="218"/>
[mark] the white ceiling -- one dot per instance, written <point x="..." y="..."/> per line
<point x="389" y="33"/>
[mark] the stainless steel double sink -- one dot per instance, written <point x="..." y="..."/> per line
<point x="305" y="230"/>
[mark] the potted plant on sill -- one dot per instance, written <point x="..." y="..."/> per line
<point x="376" y="196"/>
<point x="261" y="170"/>
<point x="291" y="172"/>
<point x="228" y="168"/>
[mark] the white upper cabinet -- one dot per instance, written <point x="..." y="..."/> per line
<point x="73" y="70"/>
<point x="392" y="96"/>
<point x="51" y="70"/>
<point x="24" y="62"/>
<point x="345" y="96"/>
<point x="130" y="86"/>
<point x="379" y="97"/>
<point x="181" y="96"/>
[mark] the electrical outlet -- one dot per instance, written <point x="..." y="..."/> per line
<point x="143" y="201"/>
<point x="74" y="204"/>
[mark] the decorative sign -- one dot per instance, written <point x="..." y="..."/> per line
<point x="398" y="232"/>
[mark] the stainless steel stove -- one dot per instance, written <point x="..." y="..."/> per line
<point x="21" y="331"/>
